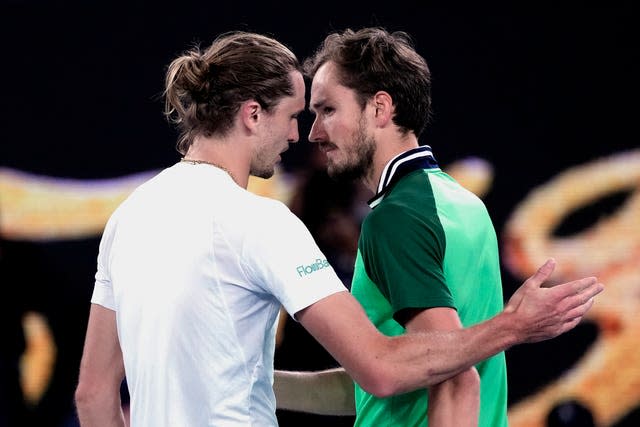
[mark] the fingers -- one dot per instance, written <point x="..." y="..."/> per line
<point x="583" y="289"/>
<point x="575" y="315"/>
<point x="580" y="311"/>
<point x="570" y="325"/>
<point x="579" y="304"/>
<point x="593" y="290"/>
<point x="586" y="285"/>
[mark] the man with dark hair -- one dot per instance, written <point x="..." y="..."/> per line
<point x="427" y="256"/>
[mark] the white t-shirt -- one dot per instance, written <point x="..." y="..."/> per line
<point x="197" y="269"/>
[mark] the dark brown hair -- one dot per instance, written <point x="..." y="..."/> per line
<point x="373" y="59"/>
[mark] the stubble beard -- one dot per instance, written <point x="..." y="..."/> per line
<point x="359" y="159"/>
<point x="259" y="168"/>
<point x="262" y="173"/>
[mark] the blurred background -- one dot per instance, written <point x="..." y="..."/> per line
<point x="535" y="111"/>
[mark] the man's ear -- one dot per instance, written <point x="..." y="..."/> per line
<point x="383" y="108"/>
<point x="250" y="113"/>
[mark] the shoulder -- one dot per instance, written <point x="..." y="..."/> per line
<point x="399" y="210"/>
<point x="387" y="221"/>
<point x="263" y="217"/>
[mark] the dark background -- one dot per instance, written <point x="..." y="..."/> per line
<point x="533" y="92"/>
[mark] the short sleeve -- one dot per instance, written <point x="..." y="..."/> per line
<point x="282" y="257"/>
<point x="404" y="256"/>
<point x="102" y="289"/>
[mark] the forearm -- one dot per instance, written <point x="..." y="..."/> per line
<point x="420" y="360"/>
<point x="327" y="392"/>
<point x="385" y="365"/>
<point x="100" y="410"/>
<point x="455" y="402"/>
<point x="97" y="396"/>
<point x="532" y="314"/>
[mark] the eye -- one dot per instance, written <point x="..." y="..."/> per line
<point x="297" y="114"/>
<point x="327" y="110"/>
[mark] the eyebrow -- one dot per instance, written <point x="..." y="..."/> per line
<point x="317" y="104"/>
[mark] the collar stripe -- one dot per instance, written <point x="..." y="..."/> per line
<point x="394" y="168"/>
<point x="416" y="158"/>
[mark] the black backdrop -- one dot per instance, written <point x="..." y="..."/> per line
<point x="550" y="87"/>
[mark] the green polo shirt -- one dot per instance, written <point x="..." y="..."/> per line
<point x="428" y="242"/>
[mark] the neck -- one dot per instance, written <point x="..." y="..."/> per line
<point x="218" y="153"/>
<point x="371" y="177"/>
<point x="199" y="162"/>
<point x="383" y="155"/>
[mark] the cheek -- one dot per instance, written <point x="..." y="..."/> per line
<point x="337" y="129"/>
<point x="284" y="129"/>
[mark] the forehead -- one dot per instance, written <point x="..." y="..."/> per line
<point x="297" y="101"/>
<point x="325" y="87"/>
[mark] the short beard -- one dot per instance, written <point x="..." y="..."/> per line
<point x="259" y="169"/>
<point x="265" y="174"/>
<point x="365" y="148"/>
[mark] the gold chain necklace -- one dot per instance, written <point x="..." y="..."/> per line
<point x="204" y="162"/>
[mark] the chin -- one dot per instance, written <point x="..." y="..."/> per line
<point x="265" y="174"/>
<point x="344" y="174"/>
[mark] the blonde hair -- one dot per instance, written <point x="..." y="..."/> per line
<point x="204" y="89"/>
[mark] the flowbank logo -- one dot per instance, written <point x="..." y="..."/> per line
<point x="303" y="270"/>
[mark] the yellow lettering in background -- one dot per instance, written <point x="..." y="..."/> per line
<point x="607" y="378"/>
<point x="38" y="208"/>
<point x="36" y="364"/>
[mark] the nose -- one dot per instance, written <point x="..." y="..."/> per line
<point x="316" y="134"/>
<point x="294" y="134"/>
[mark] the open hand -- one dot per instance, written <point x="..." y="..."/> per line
<point x="543" y="312"/>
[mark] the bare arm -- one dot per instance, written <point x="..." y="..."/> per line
<point x="454" y="402"/>
<point x="328" y="392"/>
<point x="385" y="365"/>
<point x="97" y="396"/>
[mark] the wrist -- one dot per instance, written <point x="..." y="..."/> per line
<point x="509" y="329"/>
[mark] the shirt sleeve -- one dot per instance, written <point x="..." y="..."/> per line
<point x="103" y="289"/>
<point x="404" y="256"/>
<point x="282" y="257"/>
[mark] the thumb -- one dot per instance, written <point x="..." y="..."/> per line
<point x="543" y="273"/>
<point x="532" y="282"/>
